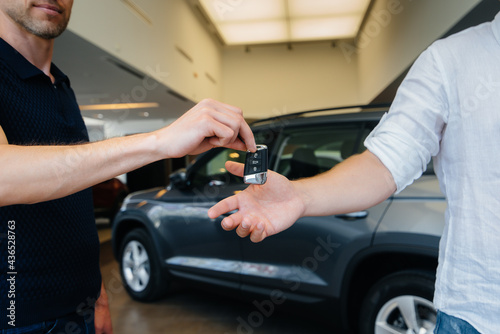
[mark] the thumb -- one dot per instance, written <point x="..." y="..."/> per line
<point x="235" y="168"/>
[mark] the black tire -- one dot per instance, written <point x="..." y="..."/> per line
<point x="141" y="272"/>
<point x="384" y="304"/>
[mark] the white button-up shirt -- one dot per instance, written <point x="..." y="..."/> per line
<point x="449" y="107"/>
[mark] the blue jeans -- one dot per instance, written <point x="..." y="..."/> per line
<point x="71" y="324"/>
<point x="447" y="324"/>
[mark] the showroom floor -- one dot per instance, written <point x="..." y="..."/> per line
<point x="188" y="311"/>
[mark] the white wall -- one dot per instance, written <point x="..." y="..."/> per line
<point x="268" y="80"/>
<point x="396" y="32"/>
<point x="151" y="47"/>
<point x="272" y="80"/>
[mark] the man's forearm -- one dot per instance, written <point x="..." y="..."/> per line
<point x="39" y="173"/>
<point x="358" y="183"/>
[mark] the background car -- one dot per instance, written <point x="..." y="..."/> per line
<point x="108" y="197"/>
<point x="371" y="271"/>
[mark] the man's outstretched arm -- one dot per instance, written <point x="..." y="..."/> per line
<point x="358" y="183"/>
<point x="33" y="174"/>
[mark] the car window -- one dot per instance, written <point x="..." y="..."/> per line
<point x="213" y="170"/>
<point x="305" y="153"/>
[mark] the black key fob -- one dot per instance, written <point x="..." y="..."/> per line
<point x="256" y="166"/>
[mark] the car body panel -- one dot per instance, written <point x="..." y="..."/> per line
<point x="418" y="209"/>
<point x="180" y="220"/>
<point x="314" y="251"/>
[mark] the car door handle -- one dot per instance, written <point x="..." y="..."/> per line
<point x="353" y="215"/>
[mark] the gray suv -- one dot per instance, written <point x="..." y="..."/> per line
<point x="371" y="271"/>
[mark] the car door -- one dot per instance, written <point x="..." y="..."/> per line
<point x="304" y="260"/>
<point x="202" y="249"/>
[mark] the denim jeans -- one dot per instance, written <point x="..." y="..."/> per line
<point x="447" y="324"/>
<point x="71" y="324"/>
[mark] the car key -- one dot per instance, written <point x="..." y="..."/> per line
<point x="256" y="166"/>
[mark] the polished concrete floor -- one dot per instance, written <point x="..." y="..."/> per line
<point x="191" y="311"/>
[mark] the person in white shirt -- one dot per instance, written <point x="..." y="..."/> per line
<point x="448" y="107"/>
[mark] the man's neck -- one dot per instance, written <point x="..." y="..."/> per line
<point x="36" y="50"/>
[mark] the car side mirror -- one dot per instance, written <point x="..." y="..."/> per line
<point x="178" y="179"/>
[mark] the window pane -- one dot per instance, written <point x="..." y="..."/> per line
<point x="306" y="153"/>
<point x="214" y="169"/>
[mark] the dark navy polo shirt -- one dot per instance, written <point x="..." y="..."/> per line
<point x="56" y="243"/>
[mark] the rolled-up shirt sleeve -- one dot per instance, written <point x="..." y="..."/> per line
<point x="409" y="134"/>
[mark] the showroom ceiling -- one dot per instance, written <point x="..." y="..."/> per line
<point x="107" y="88"/>
<point x="99" y="78"/>
<point x="241" y="22"/>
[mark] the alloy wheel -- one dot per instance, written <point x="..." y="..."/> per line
<point x="406" y="315"/>
<point x="136" y="266"/>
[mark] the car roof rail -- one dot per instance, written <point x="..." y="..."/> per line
<point x="363" y="107"/>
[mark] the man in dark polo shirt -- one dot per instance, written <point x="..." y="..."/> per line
<point x="49" y="269"/>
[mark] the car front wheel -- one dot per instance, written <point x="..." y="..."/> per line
<point x="400" y="303"/>
<point x="140" y="268"/>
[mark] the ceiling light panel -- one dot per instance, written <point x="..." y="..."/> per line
<point x="324" y="28"/>
<point x="244" y="10"/>
<point x="254" y="32"/>
<point x="247" y="22"/>
<point x="307" y="8"/>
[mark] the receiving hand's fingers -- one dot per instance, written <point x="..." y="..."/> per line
<point x="228" y="223"/>
<point x="224" y="206"/>
<point x="259" y="233"/>
<point x="231" y="203"/>
<point x="231" y="222"/>
<point x="235" y="168"/>
<point x="244" y="228"/>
